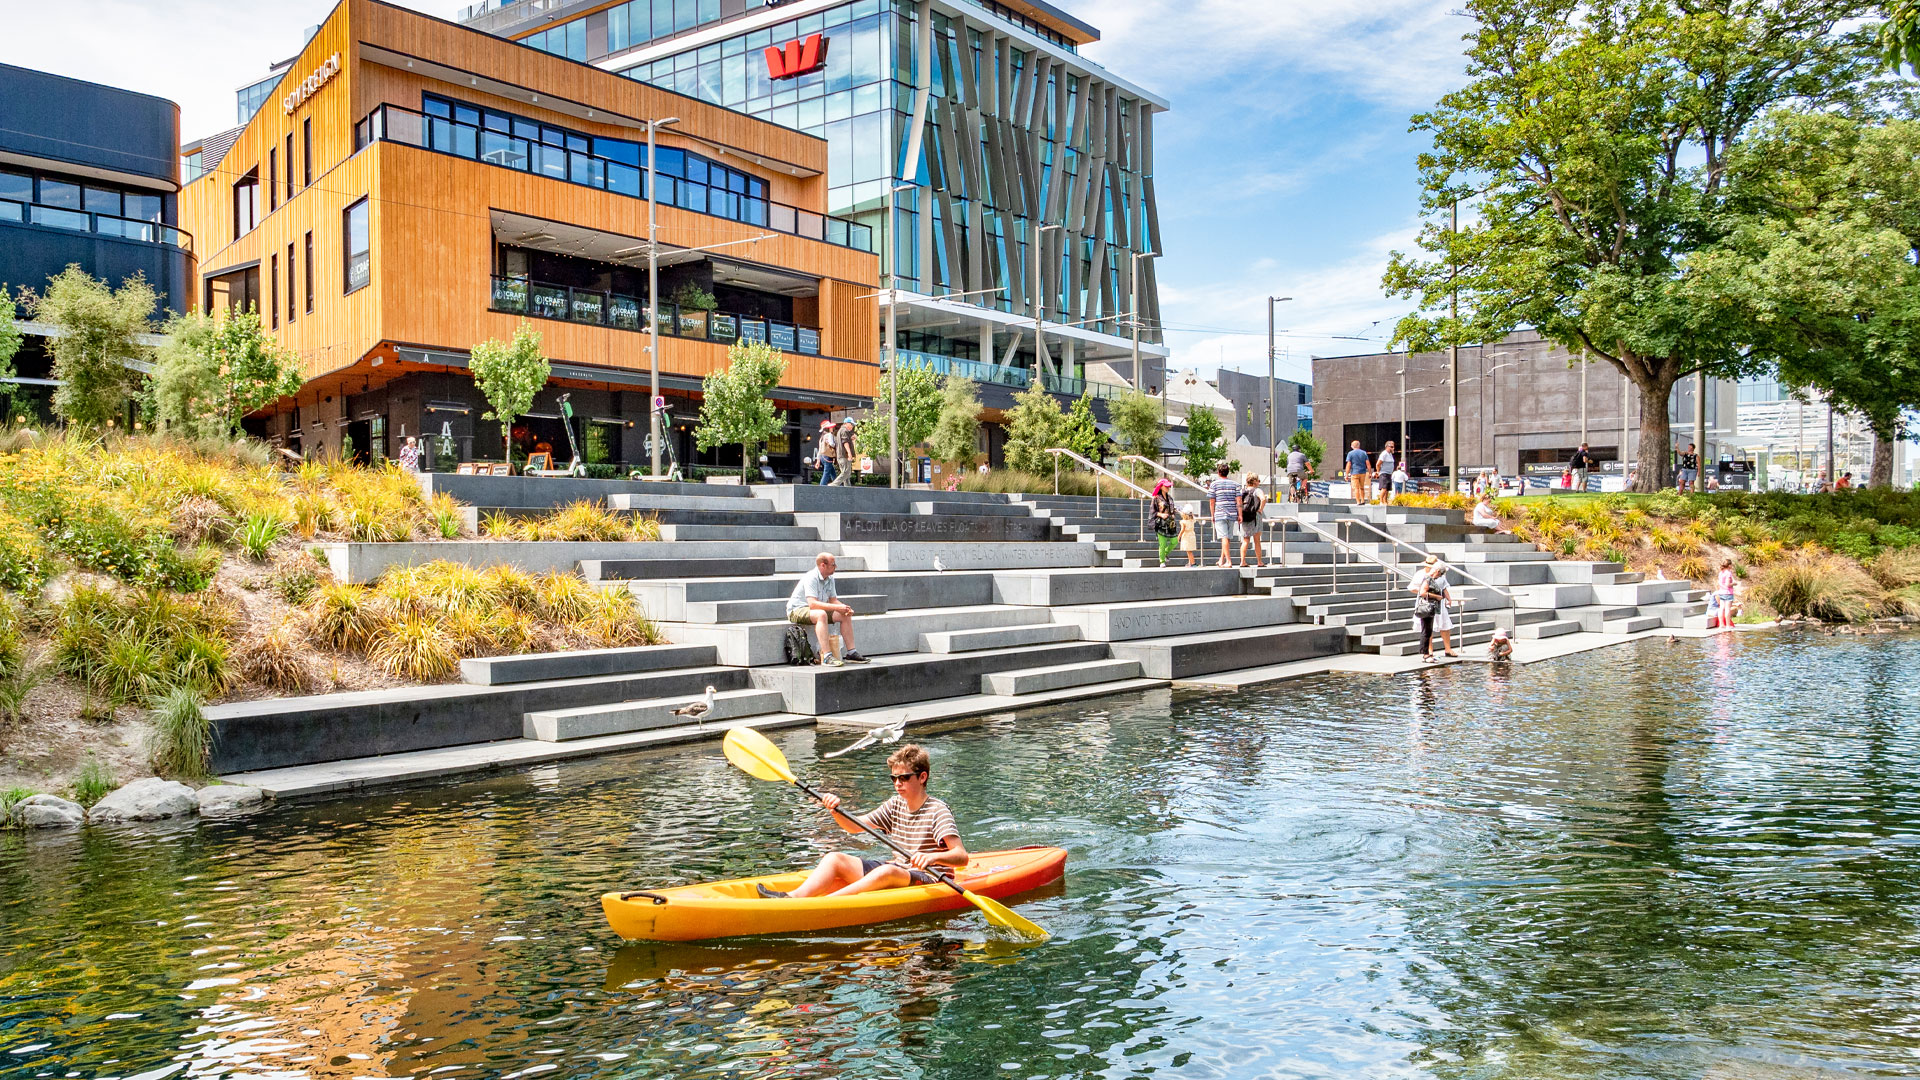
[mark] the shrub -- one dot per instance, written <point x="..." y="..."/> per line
<point x="277" y="659"/>
<point x="613" y="619"/>
<point x="512" y="587"/>
<point x="1896" y="569"/>
<point x="1765" y="552"/>
<point x="580" y="520"/>
<point x="296" y="577"/>
<point x="343" y="617"/>
<point x="563" y="598"/>
<point x="414" y="648"/>
<point x="1817" y="585"/>
<point x="15" y="688"/>
<point x="1694" y="568"/>
<point x="1615" y="554"/>
<point x="181" y="742"/>
<point x="449" y="586"/>
<point x="499" y="525"/>
<point x="259" y="532"/>
<point x="93" y="783"/>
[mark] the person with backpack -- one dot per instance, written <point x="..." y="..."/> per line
<point x="1252" y="502"/>
<point x="816" y="602"/>
<point x="1224" y="492"/>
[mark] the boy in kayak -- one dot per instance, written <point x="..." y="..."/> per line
<point x="916" y="821"/>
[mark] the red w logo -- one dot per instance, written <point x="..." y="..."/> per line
<point x="796" y="57"/>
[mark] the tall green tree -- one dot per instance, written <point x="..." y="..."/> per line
<point x="1589" y="153"/>
<point x="1034" y="425"/>
<point x="1828" y="260"/>
<point x="99" y="335"/>
<point x="1081" y="432"/>
<point x="919" y="395"/>
<point x="10" y="340"/>
<point x="1206" y="442"/>
<point x="735" y="406"/>
<point x="1900" y="36"/>
<point x="1139" y="423"/>
<point x="956" y="432"/>
<point x="508" y="374"/>
<point x="209" y="373"/>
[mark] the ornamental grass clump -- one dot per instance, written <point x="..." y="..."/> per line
<point x="414" y="647"/>
<point x="277" y="658"/>
<point x="133" y="649"/>
<point x="180" y="743"/>
<point x="1816" y="584"/>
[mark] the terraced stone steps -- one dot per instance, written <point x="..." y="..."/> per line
<point x="758" y="644"/>
<point x="913" y="677"/>
<point x="1230" y="650"/>
<point x="1058" y="677"/>
<point x="599" y="570"/>
<point x="1006" y="637"/>
<point x="738" y="534"/>
<point x="1168" y="618"/>
<point x="581" y="663"/>
<point x="742" y="611"/>
<point x="564" y="725"/>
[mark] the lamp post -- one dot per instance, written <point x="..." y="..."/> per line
<point x="1134" y="294"/>
<point x="1453" y="366"/>
<point x="653" y="303"/>
<point x="1273" y="429"/>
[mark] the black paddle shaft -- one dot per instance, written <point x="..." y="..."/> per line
<point x="883" y="838"/>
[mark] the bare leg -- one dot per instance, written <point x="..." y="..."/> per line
<point x="885" y="876"/>
<point x="845" y="619"/>
<point x="820" y="630"/>
<point x="835" y="870"/>
<point x="1226" y="547"/>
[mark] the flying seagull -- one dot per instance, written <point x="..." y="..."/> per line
<point x="697" y="710"/>
<point x="889" y="734"/>
<point x="938" y="566"/>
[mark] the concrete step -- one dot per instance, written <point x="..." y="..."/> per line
<point x="581" y="663"/>
<point x="1412" y="634"/>
<point x="758" y="644"/>
<point x="1039" y="680"/>
<point x="970" y="509"/>
<point x="903" y="528"/>
<point x="1062" y="588"/>
<point x="1632" y="625"/>
<point x="1554" y="628"/>
<point x="728" y="517"/>
<point x="1478" y="636"/>
<point x="740" y="611"/>
<point x="1642" y="593"/>
<point x="1588" y="572"/>
<point x="738" y="533"/>
<point x="1554" y="596"/>
<point x="1691" y="615"/>
<point x="668" y="600"/>
<point x="1481" y="553"/>
<point x="1007" y="637"/>
<point x="1230" y="650"/>
<point x="676" y="569"/>
<point x="1167" y="618"/>
<point x="563" y="725"/>
<point x="899" y="680"/>
<point x="629" y="501"/>
<point x="1593" y="618"/>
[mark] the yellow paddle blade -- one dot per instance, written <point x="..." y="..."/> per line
<point x="1002" y="916"/>
<point x="754" y="755"/>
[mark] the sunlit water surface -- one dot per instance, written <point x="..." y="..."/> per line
<point x="1663" y="860"/>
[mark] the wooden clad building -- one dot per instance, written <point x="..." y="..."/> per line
<point x="414" y="187"/>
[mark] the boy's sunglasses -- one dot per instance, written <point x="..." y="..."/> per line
<point x="901" y="778"/>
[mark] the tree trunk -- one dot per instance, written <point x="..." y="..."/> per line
<point x="746" y="453"/>
<point x="506" y="442"/>
<point x="1882" y="475"/>
<point x="1655" y="456"/>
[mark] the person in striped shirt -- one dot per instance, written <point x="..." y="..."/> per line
<point x="915" y="820"/>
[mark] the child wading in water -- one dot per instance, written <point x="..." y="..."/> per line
<point x="915" y="820"/>
<point x="1188" y="542"/>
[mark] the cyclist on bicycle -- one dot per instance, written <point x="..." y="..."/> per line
<point x="1297" y="475"/>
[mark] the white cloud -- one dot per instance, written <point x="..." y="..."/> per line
<point x="1399" y="52"/>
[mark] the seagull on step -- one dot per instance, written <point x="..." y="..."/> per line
<point x="938" y="566"/>
<point x="697" y="710"/>
<point x="890" y="733"/>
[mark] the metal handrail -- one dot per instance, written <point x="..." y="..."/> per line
<point x="1388" y="583"/>
<point x="1204" y="492"/>
<point x="1056" y="451"/>
<point x="1396" y="541"/>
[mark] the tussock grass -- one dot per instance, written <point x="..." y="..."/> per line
<point x="277" y="658"/>
<point x="180" y="743"/>
<point x="94" y="782"/>
<point x="1818" y="585"/>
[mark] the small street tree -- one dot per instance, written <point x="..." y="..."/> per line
<point x="1033" y="426"/>
<point x="1303" y="441"/>
<point x="956" y="433"/>
<point x="99" y="332"/>
<point x="1081" y="433"/>
<point x="509" y="374"/>
<point x="919" y="392"/>
<point x="1206" y="442"/>
<point x="10" y="339"/>
<point x="1139" y="423"/>
<point x="209" y="373"/>
<point x="735" y="407"/>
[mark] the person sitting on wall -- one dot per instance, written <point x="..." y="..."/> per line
<point x="816" y="601"/>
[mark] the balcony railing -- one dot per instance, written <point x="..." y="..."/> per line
<point x="1018" y="378"/>
<point x="59" y="217"/>
<point x="534" y="299"/>
<point x="392" y="123"/>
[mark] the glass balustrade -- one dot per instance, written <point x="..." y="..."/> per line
<point x="55" y="217"/>
<point x="998" y="375"/>
<point x="392" y="123"/>
<point x="516" y="296"/>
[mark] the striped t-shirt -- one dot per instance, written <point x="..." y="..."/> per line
<point x="925" y="829"/>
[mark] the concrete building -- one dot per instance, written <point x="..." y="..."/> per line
<point x="88" y="177"/>
<point x="1524" y="407"/>
<point x="1024" y="170"/>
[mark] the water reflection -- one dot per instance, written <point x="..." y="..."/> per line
<point x="1689" y="860"/>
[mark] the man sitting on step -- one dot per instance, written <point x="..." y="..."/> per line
<point x="816" y="600"/>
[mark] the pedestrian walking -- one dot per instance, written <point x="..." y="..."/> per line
<point x="1224" y="491"/>
<point x="824" y="456"/>
<point x="1189" y="542"/>
<point x="1581" y="465"/>
<point x="1426" y="606"/>
<point x="1383" y="469"/>
<point x="410" y="455"/>
<point x="1443" y="619"/>
<point x="843" y="441"/>
<point x="1253" y="503"/>
<point x="1166" y="518"/>
<point x="1358" y="473"/>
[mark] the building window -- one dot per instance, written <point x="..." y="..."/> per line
<point x="289" y="164"/>
<point x="273" y="179"/>
<point x="359" y="268"/>
<point x="289" y="284"/>
<point x="306" y="152"/>
<point x="273" y="291"/>
<point x="246" y="203"/>
<point x="309" y="273"/>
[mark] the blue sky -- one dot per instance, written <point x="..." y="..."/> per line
<point x="1285" y="167"/>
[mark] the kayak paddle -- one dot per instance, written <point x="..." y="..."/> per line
<point x="757" y="757"/>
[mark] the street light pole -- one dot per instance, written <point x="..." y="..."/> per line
<point x="1453" y="366"/>
<point x="1273" y="427"/>
<point x="653" y="303"/>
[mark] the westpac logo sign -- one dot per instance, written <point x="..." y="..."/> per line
<point x="797" y="57"/>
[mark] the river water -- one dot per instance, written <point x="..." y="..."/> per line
<point x="1698" y="860"/>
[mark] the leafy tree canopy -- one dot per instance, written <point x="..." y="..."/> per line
<point x="99" y="333"/>
<point x="956" y="433"/>
<point x="509" y="374"/>
<point x="1303" y="440"/>
<point x="1139" y="423"/>
<point x="1034" y="425"/>
<point x="919" y="393"/>
<point x="735" y="406"/>
<point x="1206" y="442"/>
<point x="1081" y="432"/>
<point x="209" y="373"/>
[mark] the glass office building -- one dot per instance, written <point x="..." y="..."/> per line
<point x="984" y="116"/>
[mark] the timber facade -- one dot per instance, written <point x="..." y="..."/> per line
<point x="413" y="187"/>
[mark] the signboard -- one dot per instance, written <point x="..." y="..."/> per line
<point x="809" y="341"/>
<point x="797" y="58"/>
<point x="311" y="85"/>
<point x="783" y="338"/>
<point x="723" y="328"/>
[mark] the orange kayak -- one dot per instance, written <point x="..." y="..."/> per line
<point x="734" y="908"/>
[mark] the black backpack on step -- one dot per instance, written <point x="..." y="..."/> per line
<point x="798" y="646"/>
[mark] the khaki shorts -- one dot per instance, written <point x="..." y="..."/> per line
<point x="801" y="617"/>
